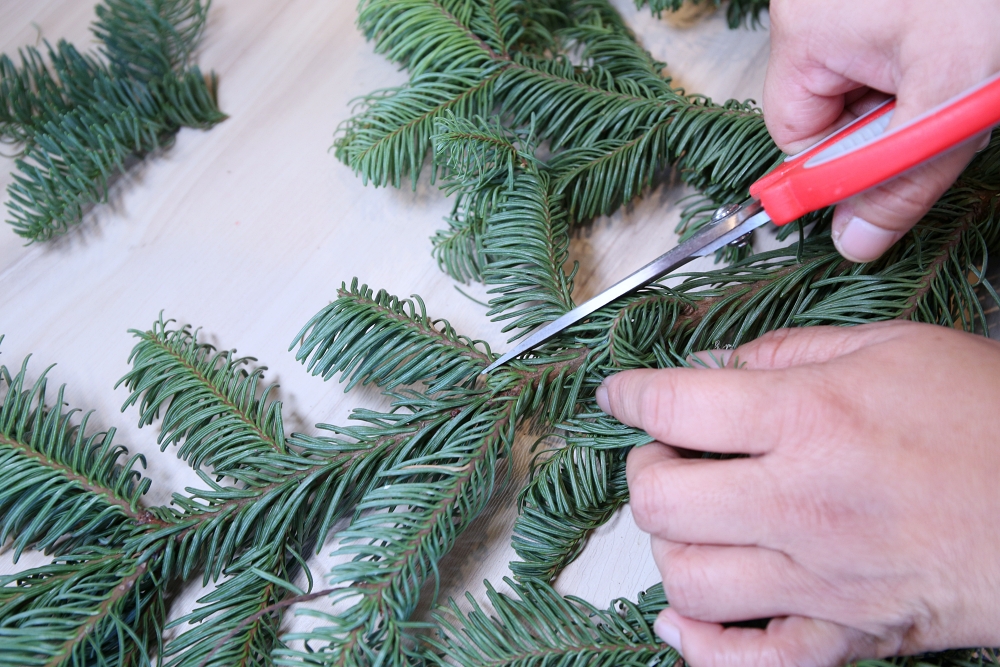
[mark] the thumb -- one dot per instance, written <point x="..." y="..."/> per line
<point x="792" y="640"/>
<point x="866" y="225"/>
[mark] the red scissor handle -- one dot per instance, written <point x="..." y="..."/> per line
<point x="862" y="155"/>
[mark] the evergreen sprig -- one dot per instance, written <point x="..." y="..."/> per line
<point x="64" y="488"/>
<point x="89" y="608"/>
<point x="210" y="402"/>
<point x="572" y="490"/>
<point x="738" y="12"/>
<point x="613" y="114"/>
<point x="541" y="114"/>
<point x="540" y="627"/>
<point x="80" y="120"/>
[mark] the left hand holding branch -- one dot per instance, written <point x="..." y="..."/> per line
<point x="864" y="519"/>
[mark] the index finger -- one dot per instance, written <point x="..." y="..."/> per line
<point x="802" y="101"/>
<point x="724" y="410"/>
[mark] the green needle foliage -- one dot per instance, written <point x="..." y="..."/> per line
<point x="738" y="12"/>
<point x="536" y="115"/>
<point x="540" y="627"/>
<point x="79" y="120"/>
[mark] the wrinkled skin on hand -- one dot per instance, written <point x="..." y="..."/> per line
<point x="865" y="519"/>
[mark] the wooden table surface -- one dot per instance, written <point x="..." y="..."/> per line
<point x="248" y="229"/>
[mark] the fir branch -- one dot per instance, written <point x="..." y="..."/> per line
<point x="293" y="497"/>
<point x="613" y="49"/>
<point x="390" y="137"/>
<point x="458" y="249"/>
<point x="572" y="491"/>
<point x="150" y="40"/>
<point x="540" y="627"/>
<point x="575" y="106"/>
<point x="64" y="488"/>
<point x="590" y="428"/>
<point x="82" y="120"/>
<point x="209" y="400"/>
<point x="527" y="242"/>
<point x="480" y="157"/>
<point x="527" y="238"/>
<point x="87" y="608"/>
<point x="220" y="634"/>
<point x="565" y="15"/>
<point x="964" y="247"/>
<point x="617" y="110"/>
<point x="32" y="93"/>
<point x="376" y="337"/>
<point x="414" y="516"/>
<point x="501" y="24"/>
<point x="424" y="35"/>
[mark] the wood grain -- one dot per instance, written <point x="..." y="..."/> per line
<point x="248" y="229"/>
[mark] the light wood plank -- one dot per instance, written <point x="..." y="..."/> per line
<point x="247" y="230"/>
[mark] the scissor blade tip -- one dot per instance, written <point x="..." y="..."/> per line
<point x="501" y="361"/>
<point x="496" y="364"/>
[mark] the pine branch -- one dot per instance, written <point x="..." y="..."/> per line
<point x="64" y="488"/>
<point x="89" y="608"/>
<point x="738" y="12"/>
<point x="82" y="120"/>
<point x="221" y="635"/>
<point x="209" y="399"/>
<point x="572" y="491"/>
<point x="540" y="627"/>
<point x="378" y="338"/>
<point x="410" y="521"/>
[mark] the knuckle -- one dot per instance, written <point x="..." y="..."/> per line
<point x="646" y="499"/>
<point x="656" y="406"/>
<point x="686" y="584"/>
<point x="772" y="346"/>
<point x="902" y="201"/>
<point x="651" y="402"/>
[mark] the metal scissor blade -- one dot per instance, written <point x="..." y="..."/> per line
<point x="747" y="217"/>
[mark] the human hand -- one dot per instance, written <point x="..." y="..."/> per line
<point x="865" y="521"/>
<point x="827" y="58"/>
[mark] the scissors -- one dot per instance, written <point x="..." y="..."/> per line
<point x="857" y="157"/>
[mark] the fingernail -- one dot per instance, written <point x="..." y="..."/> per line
<point x="602" y="398"/>
<point x="860" y="241"/>
<point x="669" y="633"/>
<point x="984" y="143"/>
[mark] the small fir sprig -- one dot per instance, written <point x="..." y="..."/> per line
<point x="80" y="120"/>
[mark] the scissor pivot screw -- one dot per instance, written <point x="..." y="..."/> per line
<point x="724" y="211"/>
